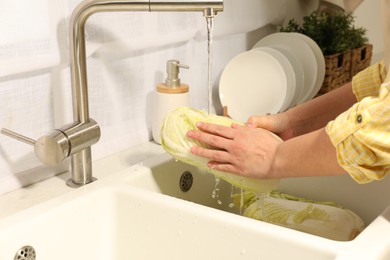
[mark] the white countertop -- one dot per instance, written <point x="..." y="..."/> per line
<point x="39" y="192"/>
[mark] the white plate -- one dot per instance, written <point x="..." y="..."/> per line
<point x="255" y="83"/>
<point x="320" y="63"/>
<point x="290" y="74"/>
<point x="298" y="73"/>
<point x="302" y="50"/>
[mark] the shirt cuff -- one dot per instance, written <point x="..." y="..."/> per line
<point x="367" y="82"/>
<point x="360" y="138"/>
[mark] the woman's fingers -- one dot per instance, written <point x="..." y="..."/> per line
<point x="214" y="155"/>
<point x="219" y="130"/>
<point x="223" y="167"/>
<point x="210" y="139"/>
<point x="267" y="122"/>
<point x="215" y="135"/>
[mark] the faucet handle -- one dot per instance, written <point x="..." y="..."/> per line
<point x="53" y="148"/>
<point x="50" y="149"/>
<point x="17" y="136"/>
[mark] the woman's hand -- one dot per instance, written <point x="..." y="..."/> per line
<point x="309" y="116"/>
<point x="278" y="124"/>
<point x="244" y="150"/>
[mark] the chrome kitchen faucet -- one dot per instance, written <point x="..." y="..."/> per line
<point x="76" y="139"/>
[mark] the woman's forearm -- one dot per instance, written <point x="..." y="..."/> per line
<point x="317" y="112"/>
<point x="311" y="154"/>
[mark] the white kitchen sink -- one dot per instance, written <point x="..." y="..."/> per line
<point x="142" y="213"/>
<point x="121" y="222"/>
<point x="368" y="200"/>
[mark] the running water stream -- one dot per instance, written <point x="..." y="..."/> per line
<point x="215" y="193"/>
<point x="210" y="23"/>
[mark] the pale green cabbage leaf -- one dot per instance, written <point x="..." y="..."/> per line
<point x="325" y="219"/>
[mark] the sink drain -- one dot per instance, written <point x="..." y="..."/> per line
<point x="186" y="181"/>
<point x="25" y="253"/>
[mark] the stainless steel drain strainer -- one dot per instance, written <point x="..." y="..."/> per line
<point x="25" y="253"/>
<point x="186" y="181"/>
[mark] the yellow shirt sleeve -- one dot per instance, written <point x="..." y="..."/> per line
<point x="367" y="83"/>
<point x="361" y="134"/>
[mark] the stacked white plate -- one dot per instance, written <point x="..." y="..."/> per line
<point x="279" y="72"/>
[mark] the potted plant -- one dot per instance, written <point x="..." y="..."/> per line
<point x="344" y="46"/>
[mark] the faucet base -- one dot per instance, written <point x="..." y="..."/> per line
<point x="73" y="184"/>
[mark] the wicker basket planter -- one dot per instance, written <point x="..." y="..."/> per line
<point x="360" y="59"/>
<point x="341" y="67"/>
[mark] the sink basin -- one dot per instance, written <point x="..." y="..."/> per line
<point x="371" y="201"/>
<point x="164" y="174"/>
<point x="121" y="222"/>
<point x="143" y="213"/>
<point x="183" y="181"/>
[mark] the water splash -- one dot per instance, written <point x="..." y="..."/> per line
<point x="215" y="193"/>
<point x="261" y="198"/>
<point x="241" y="200"/>
<point x="232" y="192"/>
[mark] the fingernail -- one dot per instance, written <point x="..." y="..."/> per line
<point x="211" y="165"/>
<point x="199" y="124"/>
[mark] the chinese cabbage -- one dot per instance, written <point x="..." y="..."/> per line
<point x="175" y="141"/>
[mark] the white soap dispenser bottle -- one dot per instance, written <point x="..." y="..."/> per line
<point x="169" y="95"/>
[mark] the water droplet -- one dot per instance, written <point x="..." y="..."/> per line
<point x="219" y="202"/>
<point x="214" y="194"/>
<point x="231" y="205"/>
<point x="241" y="200"/>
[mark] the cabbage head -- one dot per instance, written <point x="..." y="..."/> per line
<point x="174" y="140"/>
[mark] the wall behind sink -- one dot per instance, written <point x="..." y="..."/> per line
<point x="127" y="53"/>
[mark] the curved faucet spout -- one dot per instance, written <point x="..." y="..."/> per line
<point x="81" y="161"/>
<point x="77" y="36"/>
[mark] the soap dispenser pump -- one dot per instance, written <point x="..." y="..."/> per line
<point x="169" y="95"/>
